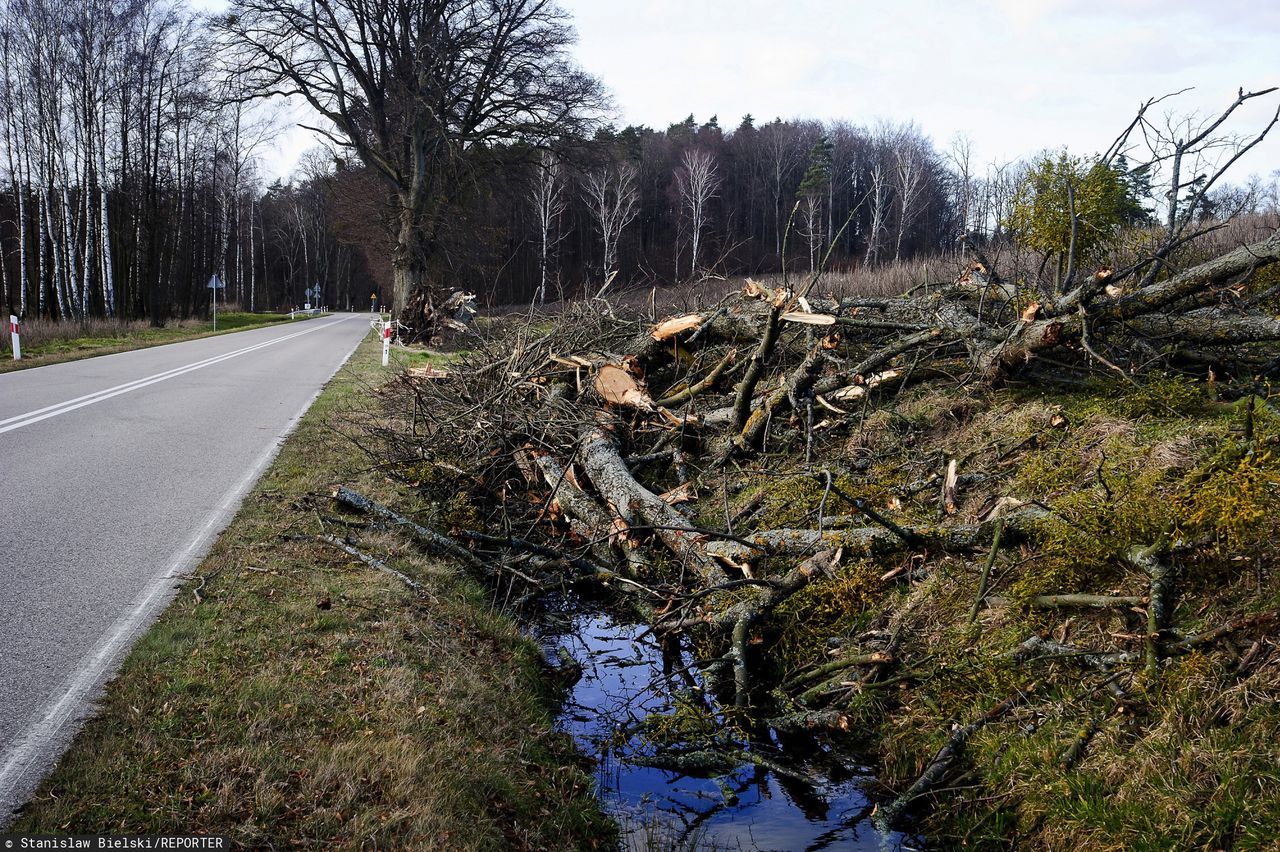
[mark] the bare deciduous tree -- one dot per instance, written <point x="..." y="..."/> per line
<point x="698" y="183"/>
<point x="908" y="178"/>
<point x="611" y="195"/>
<point x="879" y="198"/>
<point x="413" y="88"/>
<point x="549" y="203"/>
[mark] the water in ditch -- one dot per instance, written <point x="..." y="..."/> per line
<point x="813" y="799"/>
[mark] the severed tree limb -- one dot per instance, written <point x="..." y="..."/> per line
<point x="1191" y="643"/>
<point x="864" y="508"/>
<point x="1147" y="560"/>
<point x="698" y="387"/>
<point x="615" y="484"/>
<point x="755" y="367"/>
<point x="760" y="605"/>
<point x="707" y="762"/>
<point x="942" y="761"/>
<point x="878" y="359"/>
<point x="1031" y="338"/>
<point x="1208" y="326"/>
<point x="1086" y="601"/>
<point x="799" y="384"/>
<point x="878" y="658"/>
<point x="374" y="562"/>
<point x="523" y="545"/>
<point x="875" y="658"/>
<point x="738" y="642"/>
<point x="717" y="324"/>
<point x="575" y="502"/>
<point x="434" y="541"/>
<point x="876" y="541"/>
<point x="1037" y="648"/>
<point x="807" y="721"/>
<point x="986" y="572"/>
<point x="1071" y="754"/>
<point x="742" y="616"/>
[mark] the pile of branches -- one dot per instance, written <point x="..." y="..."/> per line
<point x="596" y="446"/>
<point x="600" y="426"/>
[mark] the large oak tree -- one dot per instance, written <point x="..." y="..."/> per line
<point x="416" y="89"/>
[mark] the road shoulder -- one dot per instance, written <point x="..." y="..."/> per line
<point x="292" y="694"/>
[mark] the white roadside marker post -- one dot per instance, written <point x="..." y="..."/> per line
<point x="386" y="342"/>
<point x="14" y="335"/>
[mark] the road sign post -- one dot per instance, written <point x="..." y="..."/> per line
<point x="215" y="284"/>
<point x="386" y="342"/>
<point x="14" y="335"/>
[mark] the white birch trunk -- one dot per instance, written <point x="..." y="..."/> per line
<point x="51" y="235"/>
<point x="108" y="283"/>
<point x="253" y="278"/>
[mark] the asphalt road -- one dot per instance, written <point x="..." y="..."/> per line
<point x="116" y="475"/>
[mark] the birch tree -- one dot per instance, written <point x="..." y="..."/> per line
<point x="547" y="196"/>
<point x="908" y="176"/>
<point x="612" y="200"/>
<point x="698" y="182"/>
<point x="879" y="200"/>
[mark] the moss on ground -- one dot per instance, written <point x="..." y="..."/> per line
<point x="1187" y="759"/>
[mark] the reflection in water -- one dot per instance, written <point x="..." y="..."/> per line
<point x="802" y="798"/>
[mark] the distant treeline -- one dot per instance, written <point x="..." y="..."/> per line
<point x="132" y="174"/>
<point x="696" y="198"/>
<point x="642" y="203"/>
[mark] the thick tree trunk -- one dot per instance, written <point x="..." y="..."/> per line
<point x="412" y="299"/>
<point x="630" y="501"/>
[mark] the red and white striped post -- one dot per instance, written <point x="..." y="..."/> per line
<point x="15" y="336"/>
<point x="386" y="342"/>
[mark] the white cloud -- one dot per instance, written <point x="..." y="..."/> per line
<point x="1017" y="76"/>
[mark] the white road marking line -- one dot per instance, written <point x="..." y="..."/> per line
<point x="31" y="417"/>
<point x="16" y="780"/>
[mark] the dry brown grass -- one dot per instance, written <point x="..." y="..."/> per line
<point x="38" y="333"/>
<point x="48" y="342"/>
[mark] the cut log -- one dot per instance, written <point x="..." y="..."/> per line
<point x="569" y="496"/>
<point x="805" y="318"/>
<point x="857" y="391"/>
<point x="669" y="328"/>
<point x="616" y="385"/>
<point x="426" y="373"/>
<point x="615" y="484"/>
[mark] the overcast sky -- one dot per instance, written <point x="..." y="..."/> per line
<point x="1016" y="76"/>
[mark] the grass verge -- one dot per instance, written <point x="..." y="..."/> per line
<point x="45" y="342"/>
<point x="305" y="699"/>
